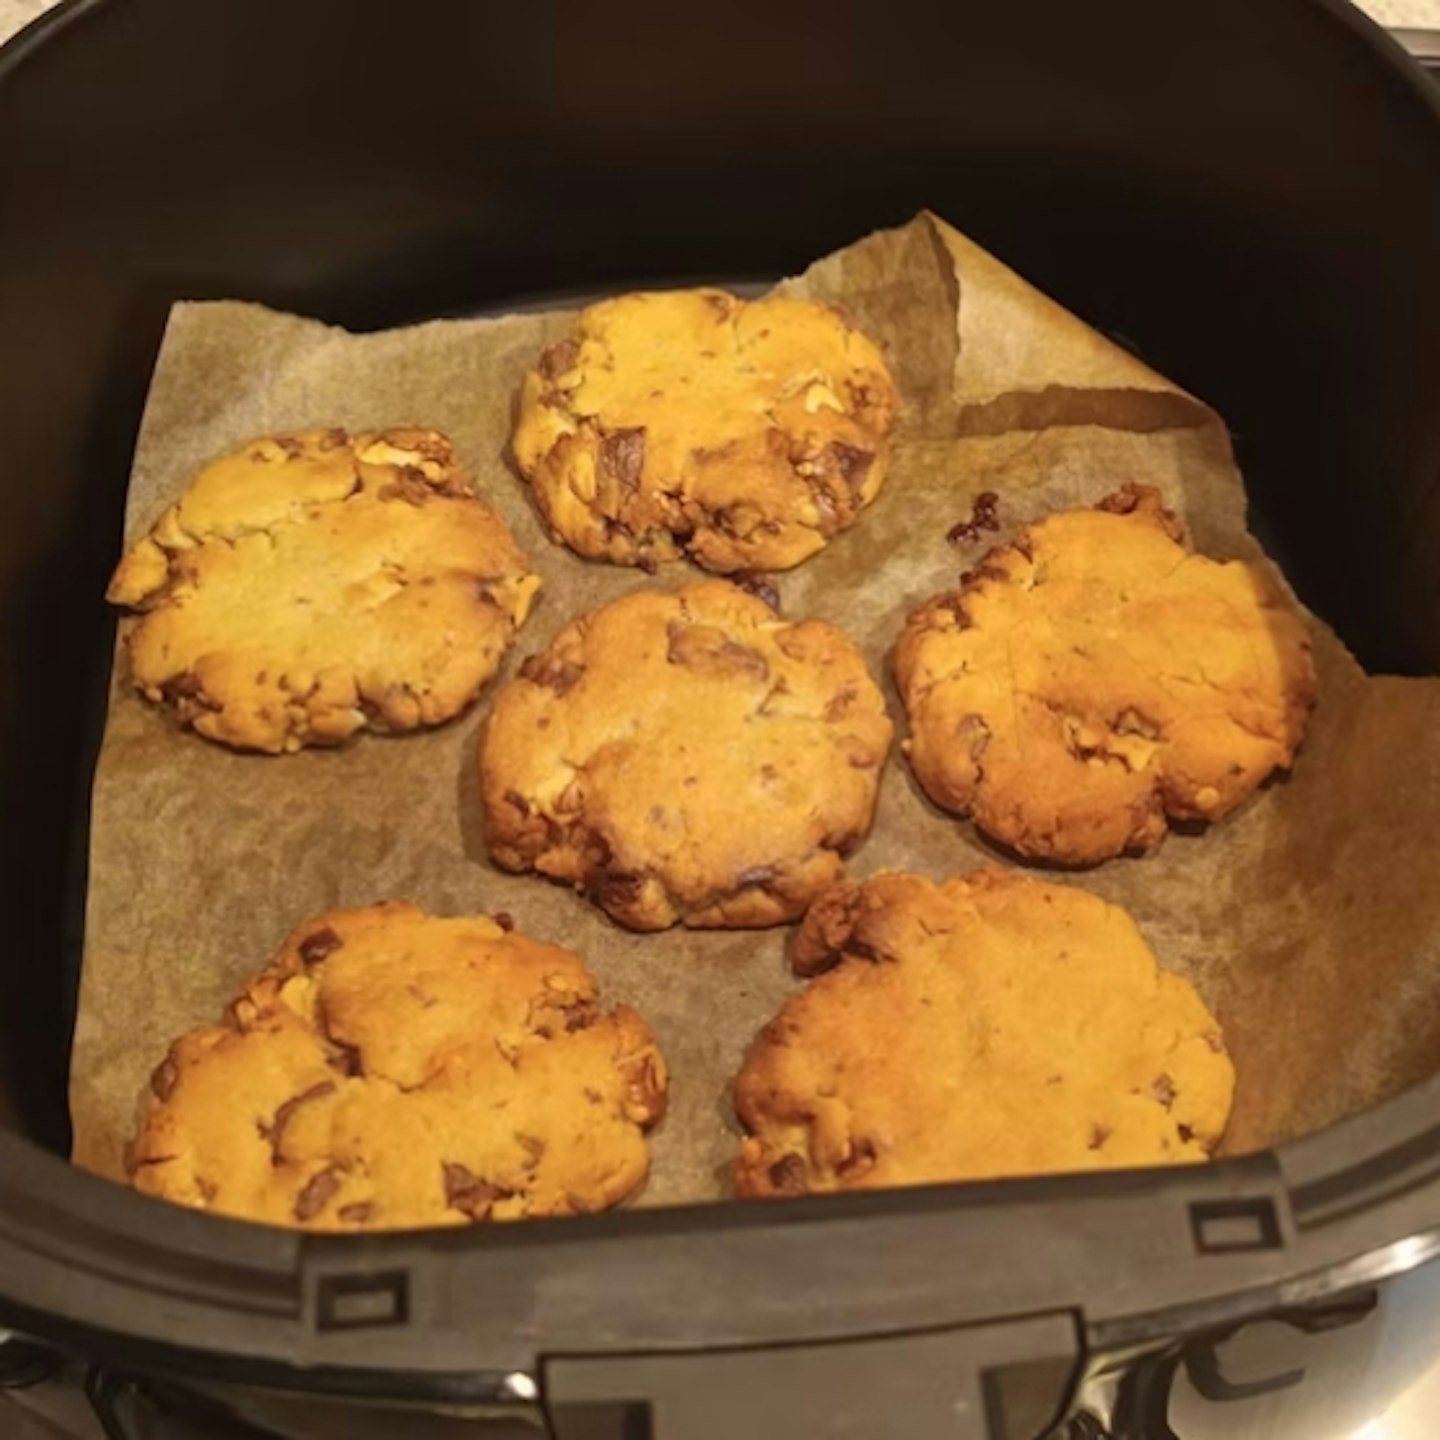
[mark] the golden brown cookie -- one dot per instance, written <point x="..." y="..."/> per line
<point x="687" y="756"/>
<point x="307" y="586"/>
<point x="390" y="1069"/>
<point x="745" y="434"/>
<point x="1096" y="677"/>
<point x="985" y="1026"/>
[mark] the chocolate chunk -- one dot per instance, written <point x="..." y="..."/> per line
<point x="867" y="950"/>
<point x="1099" y="1134"/>
<point x="1123" y="501"/>
<point x="703" y="646"/>
<point x="954" y="606"/>
<point x="982" y="517"/>
<point x="317" y="1194"/>
<point x="720" y="303"/>
<point x="466" y="1192"/>
<point x="275" y="1133"/>
<point x="356" y="1214"/>
<point x="861" y="395"/>
<point x="163" y="1079"/>
<point x="622" y="456"/>
<point x="1164" y="1090"/>
<point x="580" y="1016"/>
<point x="825" y="504"/>
<point x="504" y="920"/>
<point x="853" y="464"/>
<point x="974" y="734"/>
<point x="760" y="585"/>
<point x="788" y="1174"/>
<point x="755" y="875"/>
<point x="746" y="658"/>
<point x="861" y="1158"/>
<point x="1186" y="1133"/>
<point x="559" y="359"/>
<point x="334" y="438"/>
<point x="984" y="571"/>
<point x="616" y="888"/>
<point x="409" y="485"/>
<point x="184" y="686"/>
<point x="318" y="944"/>
<point x="553" y="673"/>
<point x="1129" y="499"/>
<point x="346" y="1058"/>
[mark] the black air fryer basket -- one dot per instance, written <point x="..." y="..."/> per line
<point x="1263" y="169"/>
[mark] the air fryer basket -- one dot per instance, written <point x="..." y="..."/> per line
<point x="1250" y="196"/>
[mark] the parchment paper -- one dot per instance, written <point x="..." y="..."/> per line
<point x="1310" y="920"/>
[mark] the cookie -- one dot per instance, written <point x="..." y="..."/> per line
<point x="984" y="1026"/>
<point x="1096" y="679"/>
<point x="687" y="756"/>
<point x="744" y="434"/>
<point x="391" y="1069"/>
<point x="308" y="586"/>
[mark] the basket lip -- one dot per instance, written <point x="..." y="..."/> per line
<point x="106" y="1271"/>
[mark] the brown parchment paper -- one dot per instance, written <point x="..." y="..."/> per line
<point x="1310" y="920"/>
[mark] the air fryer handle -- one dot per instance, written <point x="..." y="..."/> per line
<point x="1007" y="1381"/>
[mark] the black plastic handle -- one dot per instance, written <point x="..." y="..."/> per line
<point x="1008" y="1381"/>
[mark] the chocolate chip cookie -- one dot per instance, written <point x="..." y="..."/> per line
<point x="687" y="756"/>
<point x="984" y="1026"/>
<point x="311" y="585"/>
<point x="1096" y="679"/>
<point x="744" y="434"/>
<point x="391" y="1069"/>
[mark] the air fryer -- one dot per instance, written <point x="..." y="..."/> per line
<point x="1265" y="170"/>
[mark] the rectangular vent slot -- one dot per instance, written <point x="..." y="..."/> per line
<point x="1225" y="1226"/>
<point x="351" y="1302"/>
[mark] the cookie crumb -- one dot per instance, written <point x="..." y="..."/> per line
<point x="983" y="517"/>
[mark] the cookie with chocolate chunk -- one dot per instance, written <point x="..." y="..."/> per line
<point x="744" y="434"/>
<point x="687" y="756"/>
<point x="984" y="1026"/>
<point x="391" y="1069"/>
<point x="311" y="585"/>
<point x="1097" y="679"/>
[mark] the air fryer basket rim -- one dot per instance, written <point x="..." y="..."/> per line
<point x="112" y="1273"/>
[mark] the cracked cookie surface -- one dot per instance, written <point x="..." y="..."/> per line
<point x="392" y="1069"/>
<point x="979" y="1027"/>
<point x="687" y="756"/>
<point x="744" y="434"/>
<point x="311" y="585"/>
<point x="1096" y="679"/>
